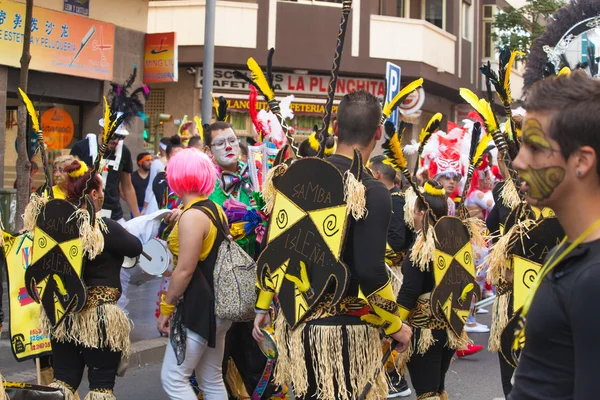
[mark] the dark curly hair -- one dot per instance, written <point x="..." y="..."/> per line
<point x="76" y="185"/>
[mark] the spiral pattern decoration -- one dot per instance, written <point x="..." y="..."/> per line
<point x="282" y="219"/>
<point x="330" y="227"/>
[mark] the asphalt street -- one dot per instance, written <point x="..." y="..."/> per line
<point x="473" y="378"/>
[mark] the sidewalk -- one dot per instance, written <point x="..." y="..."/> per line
<point x="147" y="346"/>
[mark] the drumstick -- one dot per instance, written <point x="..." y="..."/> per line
<point x="388" y="353"/>
<point x="146" y="256"/>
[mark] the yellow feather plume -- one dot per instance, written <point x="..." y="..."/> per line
<point x="31" y="110"/>
<point x="483" y="108"/>
<point x="259" y="79"/>
<point x="509" y="66"/>
<point x="106" y="121"/>
<point x="406" y="90"/>
<point x="432" y="125"/>
<point x="313" y="141"/>
<point x="392" y="148"/>
<point x="481" y="147"/>
<point x="198" y="122"/>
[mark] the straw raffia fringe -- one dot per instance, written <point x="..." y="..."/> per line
<point x="444" y="395"/>
<point x="93" y="395"/>
<point x="510" y="195"/>
<point x="104" y="326"/>
<point x="423" y="249"/>
<point x="396" y="284"/>
<point x="498" y="257"/>
<point x="268" y="191"/>
<point x="499" y="321"/>
<point x="33" y="209"/>
<point x="327" y="361"/>
<point x="477" y="228"/>
<point x="410" y="201"/>
<point x="355" y="196"/>
<point x="458" y="342"/>
<point x="69" y="395"/>
<point x="91" y="236"/>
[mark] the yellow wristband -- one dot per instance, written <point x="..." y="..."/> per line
<point x="166" y="309"/>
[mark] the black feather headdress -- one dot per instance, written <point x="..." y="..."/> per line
<point x="538" y="64"/>
<point x="129" y="102"/>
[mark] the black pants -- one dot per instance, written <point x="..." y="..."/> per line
<point x="428" y="371"/>
<point x="70" y="361"/>
<point x="506" y="373"/>
<point x="247" y="356"/>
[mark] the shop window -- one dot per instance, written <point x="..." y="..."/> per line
<point x="317" y="2"/>
<point x="304" y="124"/>
<point x="61" y="124"/>
<point x="435" y="12"/>
<point x="392" y="8"/>
<point x="467" y="21"/>
<point x="488" y="41"/>
<point x="156" y="105"/>
<point x="238" y="121"/>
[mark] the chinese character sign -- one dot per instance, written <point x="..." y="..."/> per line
<point x="60" y="42"/>
<point x="160" y="58"/>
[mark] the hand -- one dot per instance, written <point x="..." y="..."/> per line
<point x="259" y="321"/>
<point x="143" y="212"/>
<point x="174" y="216"/>
<point x="164" y="324"/>
<point x="403" y="337"/>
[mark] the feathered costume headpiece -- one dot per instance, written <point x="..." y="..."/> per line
<point x="424" y="246"/>
<point x="131" y="104"/>
<point x="540" y="63"/>
<point x="263" y="83"/>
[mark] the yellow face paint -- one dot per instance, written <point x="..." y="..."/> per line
<point x="533" y="135"/>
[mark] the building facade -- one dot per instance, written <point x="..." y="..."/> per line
<point x="443" y="41"/>
<point x="75" y="54"/>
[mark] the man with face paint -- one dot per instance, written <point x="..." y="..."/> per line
<point x="233" y="182"/>
<point x="559" y="164"/>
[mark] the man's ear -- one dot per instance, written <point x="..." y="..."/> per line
<point x="379" y="133"/>
<point x="586" y="161"/>
<point x="335" y="128"/>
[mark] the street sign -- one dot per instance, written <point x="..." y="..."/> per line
<point x="392" y="75"/>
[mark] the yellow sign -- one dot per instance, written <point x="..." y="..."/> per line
<point x="25" y="334"/>
<point x="160" y="57"/>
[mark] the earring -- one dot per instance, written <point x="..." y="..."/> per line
<point x="579" y="173"/>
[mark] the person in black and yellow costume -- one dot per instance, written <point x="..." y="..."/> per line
<point x="432" y="356"/>
<point x="98" y="336"/>
<point x="327" y="343"/>
<point x="197" y="335"/>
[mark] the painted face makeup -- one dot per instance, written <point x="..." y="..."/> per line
<point x="540" y="180"/>
<point x="225" y="148"/>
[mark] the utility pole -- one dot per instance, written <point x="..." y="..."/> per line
<point x="23" y="164"/>
<point x="208" y="68"/>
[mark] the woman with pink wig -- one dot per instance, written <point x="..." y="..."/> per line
<point x="197" y="334"/>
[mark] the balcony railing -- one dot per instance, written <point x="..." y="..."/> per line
<point x="235" y="22"/>
<point x="394" y="38"/>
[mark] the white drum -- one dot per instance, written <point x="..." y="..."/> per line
<point x="155" y="258"/>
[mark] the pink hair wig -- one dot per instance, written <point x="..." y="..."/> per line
<point x="191" y="171"/>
